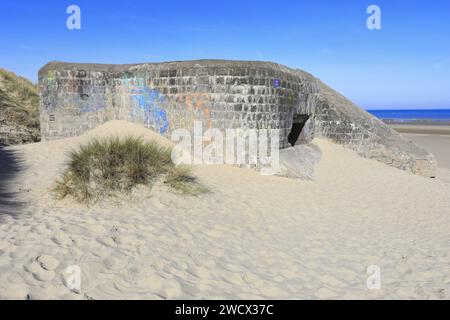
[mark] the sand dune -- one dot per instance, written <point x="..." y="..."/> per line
<point x="252" y="237"/>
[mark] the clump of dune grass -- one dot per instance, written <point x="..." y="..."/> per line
<point x="19" y="107"/>
<point x="104" y="167"/>
<point x="180" y="178"/>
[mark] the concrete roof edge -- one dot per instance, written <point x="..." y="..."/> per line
<point x="58" y="65"/>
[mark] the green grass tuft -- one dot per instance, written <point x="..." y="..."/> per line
<point x="19" y="100"/>
<point x="104" y="167"/>
<point x="180" y="178"/>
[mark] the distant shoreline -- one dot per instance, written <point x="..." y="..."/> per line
<point x="432" y="121"/>
<point x="416" y="121"/>
<point x="420" y="127"/>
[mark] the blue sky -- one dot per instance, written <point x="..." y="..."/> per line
<point x="404" y="65"/>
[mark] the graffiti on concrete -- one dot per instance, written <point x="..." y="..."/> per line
<point x="148" y="106"/>
<point x="196" y="105"/>
<point x="221" y="94"/>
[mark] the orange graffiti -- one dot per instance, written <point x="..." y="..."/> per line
<point x="194" y="100"/>
<point x="207" y="114"/>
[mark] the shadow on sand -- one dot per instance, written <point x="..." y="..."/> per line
<point x="10" y="166"/>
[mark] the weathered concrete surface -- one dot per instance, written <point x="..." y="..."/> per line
<point x="167" y="96"/>
<point x="299" y="161"/>
<point x="221" y="94"/>
<point x="341" y="121"/>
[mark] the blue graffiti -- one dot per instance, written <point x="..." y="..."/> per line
<point x="163" y="122"/>
<point x="147" y="104"/>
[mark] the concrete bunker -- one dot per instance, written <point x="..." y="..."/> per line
<point x="222" y="94"/>
<point x="298" y="124"/>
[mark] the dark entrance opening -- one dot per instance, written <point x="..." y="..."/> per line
<point x="297" y="126"/>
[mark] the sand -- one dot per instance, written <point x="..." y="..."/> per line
<point x="251" y="237"/>
<point x="434" y="138"/>
<point x="421" y="128"/>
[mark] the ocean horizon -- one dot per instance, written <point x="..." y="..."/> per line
<point x="412" y="115"/>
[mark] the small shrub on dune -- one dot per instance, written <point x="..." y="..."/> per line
<point x="180" y="178"/>
<point x="102" y="167"/>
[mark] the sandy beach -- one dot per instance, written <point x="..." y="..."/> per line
<point x="251" y="237"/>
<point x="434" y="138"/>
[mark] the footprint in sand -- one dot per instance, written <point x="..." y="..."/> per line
<point x="107" y="241"/>
<point x="38" y="229"/>
<point x="43" y="275"/>
<point x="47" y="262"/>
<point x="98" y="250"/>
<point x="60" y="238"/>
<point x="115" y="264"/>
<point x="17" y="252"/>
<point x="42" y="268"/>
<point x="199" y="272"/>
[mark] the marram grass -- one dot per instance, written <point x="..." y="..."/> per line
<point x="103" y="167"/>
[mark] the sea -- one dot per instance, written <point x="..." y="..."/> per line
<point x="413" y="115"/>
